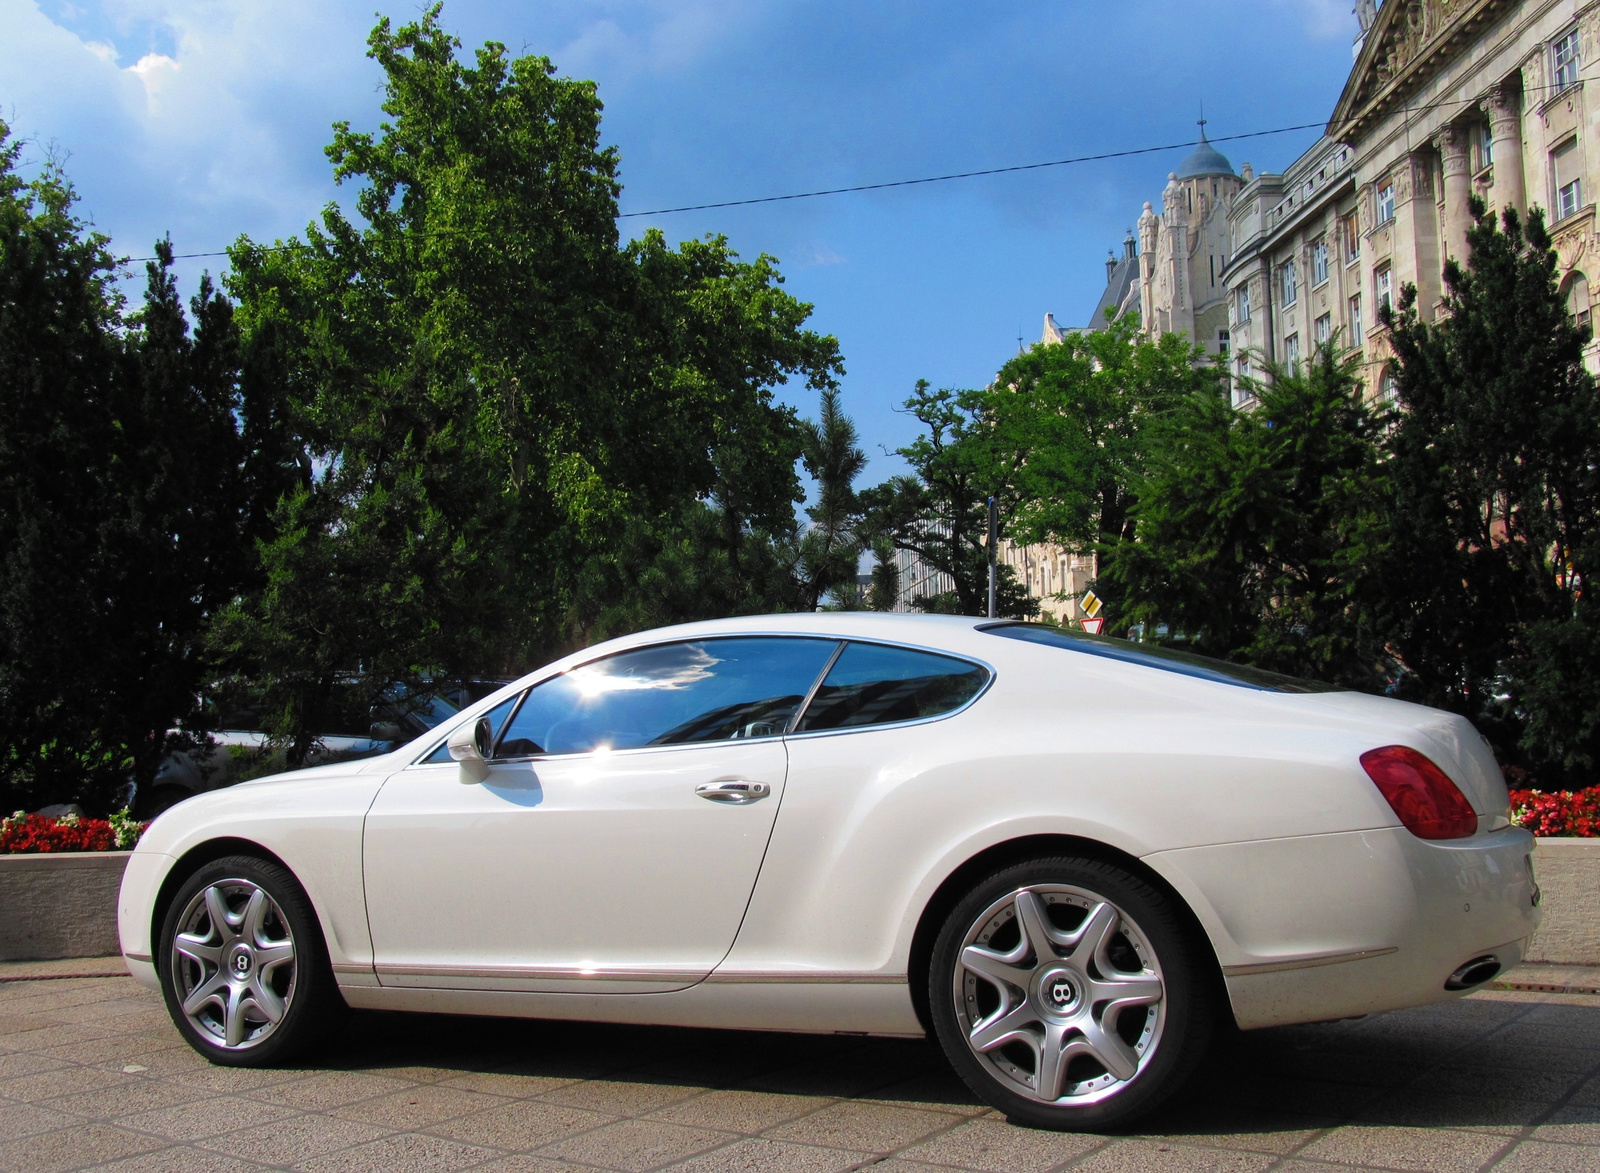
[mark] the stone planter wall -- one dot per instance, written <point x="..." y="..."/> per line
<point x="1568" y="871"/>
<point x="59" y="905"/>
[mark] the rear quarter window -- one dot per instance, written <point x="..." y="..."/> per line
<point x="873" y="684"/>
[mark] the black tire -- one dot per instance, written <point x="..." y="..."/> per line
<point x="243" y="966"/>
<point x="1066" y="999"/>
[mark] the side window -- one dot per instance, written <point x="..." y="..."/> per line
<point x="497" y="718"/>
<point x="704" y="690"/>
<point x="875" y="685"/>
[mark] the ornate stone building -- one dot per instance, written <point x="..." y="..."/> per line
<point x="1446" y="99"/>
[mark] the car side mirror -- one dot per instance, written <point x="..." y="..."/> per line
<point x="470" y="745"/>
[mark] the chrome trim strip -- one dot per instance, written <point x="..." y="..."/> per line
<point x="351" y="967"/>
<point x="145" y="957"/>
<point x="804" y="978"/>
<point x="805" y="702"/>
<point x="1308" y="962"/>
<point x="542" y="973"/>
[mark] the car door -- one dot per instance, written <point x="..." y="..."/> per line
<point x="615" y="842"/>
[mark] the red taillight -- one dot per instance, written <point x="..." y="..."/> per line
<point x="1428" y="803"/>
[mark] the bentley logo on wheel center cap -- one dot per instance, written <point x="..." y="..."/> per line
<point x="242" y="961"/>
<point x="1059" y="991"/>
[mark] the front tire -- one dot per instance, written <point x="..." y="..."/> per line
<point x="243" y="967"/>
<point x="1069" y="994"/>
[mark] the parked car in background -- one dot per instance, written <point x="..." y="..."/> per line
<point x="356" y="728"/>
<point x="1064" y="857"/>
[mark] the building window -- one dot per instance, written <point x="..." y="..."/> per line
<point x="1355" y="320"/>
<point x="1324" y="328"/>
<point x="1386" y="203"/>
<point x="1291" y="289"/>
<point x="1291" y="349"/>
<point x="1564" y="60"/>
<point x="1352" y="238"/>
<point x="1244" y="303"/>
<point x="1385" y="279"/>
<point x="1577" y="291"/>
<point x="1566" y="167"/>
<point x="1485" y="137"/>
<point x="1319" y="262"/>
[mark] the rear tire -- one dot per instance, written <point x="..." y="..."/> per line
<point x="1070" y="994"/>
<point x="243" y="967"/>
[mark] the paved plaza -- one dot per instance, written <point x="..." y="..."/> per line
<point x="92" y="1075"/>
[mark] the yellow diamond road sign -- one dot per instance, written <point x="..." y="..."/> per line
<point x="1091" y="604"/>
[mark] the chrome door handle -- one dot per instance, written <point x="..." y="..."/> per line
<point x="736" y="791"/>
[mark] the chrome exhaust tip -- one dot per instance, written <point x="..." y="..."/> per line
<point x="1473" y="973"/>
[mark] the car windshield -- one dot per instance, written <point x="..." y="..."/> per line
<point x="1166" y="659"/>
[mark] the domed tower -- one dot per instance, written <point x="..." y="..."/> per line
<point x="1192" y="248"/>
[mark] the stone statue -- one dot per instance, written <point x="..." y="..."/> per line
<point x="1366" y="13"/>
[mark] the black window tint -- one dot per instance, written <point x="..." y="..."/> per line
<point x="497" y="718"/>
<point x="705" y="690"/>
<point x="875" y="685"/>
<point x="1166" y="659"/>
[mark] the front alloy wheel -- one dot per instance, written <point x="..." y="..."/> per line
<point x="1067" y="994"/>
<point x="233" y="960"/>
<point x="243" y="968"/>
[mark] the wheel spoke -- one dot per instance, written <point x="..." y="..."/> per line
<point x="265" y="999"/>
<point x="233" y="1021"/>
<point x="1036" y="929"/>
<point x="1133" y="990"/>
<point x="269" y="957"/>
<point x="999" y="968"/>
<point x="1089" y="940"/>
<point x="1051" y="1064"/>
<point x="1108" y="1050"/>
<point x="1004" y="1026"/>
<point x="223" y="922"/>
<point x="198" y="948"/>
<point x="252" y="920"/>
<point x="206" y="992"/>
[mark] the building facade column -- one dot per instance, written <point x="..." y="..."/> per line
<point x="1504" y="107"/>
<point x="1455" y="155"/>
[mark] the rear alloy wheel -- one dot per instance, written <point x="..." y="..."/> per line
<point x="242" y="966"/>
<point x="1068" y="994"/>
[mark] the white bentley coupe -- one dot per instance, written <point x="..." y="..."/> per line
<point x="1066" y="857"/>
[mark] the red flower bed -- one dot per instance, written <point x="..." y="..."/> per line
<point x="1573" y="813"/>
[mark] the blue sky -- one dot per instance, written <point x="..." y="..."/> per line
<point x="207" y="118"/>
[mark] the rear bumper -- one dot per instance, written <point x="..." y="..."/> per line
<point x="1330" y="926"/>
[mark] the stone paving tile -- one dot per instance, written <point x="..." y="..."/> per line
<point x="530" y="1163"/>
<point x="416" y="1107"/>
<point x="635" y="1145"/>
<point x="1533" y="1156"/>
<point x="1000" y="1147"/>
<point x="521" y="1124"/>
<point x="328" y="1089"/>
<point x="756" y="1155"/>
<point x="73" y="1148"/>
<point x="400" y="1153"/>
<point x="126" y="1099"/>
<point x="1148" y="1156"/>
<point x="1573" y="1124"/>
<point x="738" y="1111"/>
<point x="62" y="1081"/>
<point x="517" y="1085"/>
<point x="1428" y="1150"/>
<point x="617" y="1097"/>
<point x="297" y="1138"/>
<point x="872" y="1127"/>
<point x="181" y="1159"/>
<point x="206" y="1117"/>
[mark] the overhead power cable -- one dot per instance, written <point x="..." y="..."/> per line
<point x="893" y="183"/>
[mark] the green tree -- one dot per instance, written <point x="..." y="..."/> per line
<point x="831" y="548"/>
<point x="1253" y="528"/>
<point x="940" y="512"/>
<point x="123" y="494"/>
<point x="1076" y="419"/>
<point x="1495" y="509"/>
<point x="511" y="416"/>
